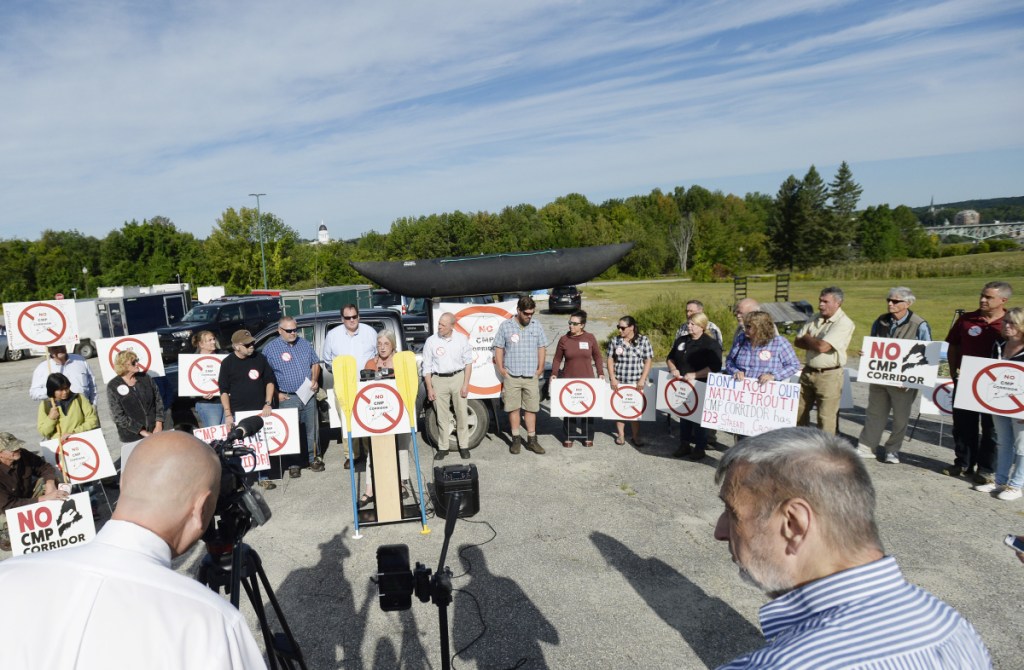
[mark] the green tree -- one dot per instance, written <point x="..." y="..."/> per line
<point x="915" y="240"/>
<point x="232" y="252"/>
<point x="57" y="261"/>
<point x="17" y="267"/>
<point x="844" y="193"/>
<point x="151" y="252"/>
<point x="879" y="234"/>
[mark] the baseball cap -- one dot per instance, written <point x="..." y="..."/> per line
<point x="10" y="443"/>
<point x="242" y="337"/>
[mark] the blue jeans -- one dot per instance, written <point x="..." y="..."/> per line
<point x="1009" y="451"/>
<point x="308" y="423"/>
<point x="209" y="413"/>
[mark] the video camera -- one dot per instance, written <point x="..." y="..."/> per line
<point x="239" y="507"/>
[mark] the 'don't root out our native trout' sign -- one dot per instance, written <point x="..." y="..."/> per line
<point x="747" y="407"/>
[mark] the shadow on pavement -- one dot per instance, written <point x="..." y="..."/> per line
<point x="715" y="631"/>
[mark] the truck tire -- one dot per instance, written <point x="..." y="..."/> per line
<point x="15" y="354"/>
<point x="86" y="349"/>
<point x="478" y="424"/>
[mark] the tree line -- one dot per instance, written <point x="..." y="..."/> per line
<point x="704" y="234"/>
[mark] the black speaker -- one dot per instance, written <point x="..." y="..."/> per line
<point x="457" y="478"/>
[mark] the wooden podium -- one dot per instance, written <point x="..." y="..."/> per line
<point x="388" y="506"/>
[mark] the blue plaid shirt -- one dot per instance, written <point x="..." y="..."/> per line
<point x="520" y="345"/>
<point x="291" y="363"/>
<point x="776" y="358"/>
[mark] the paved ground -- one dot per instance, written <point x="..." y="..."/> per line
<point x="592" y="558"/>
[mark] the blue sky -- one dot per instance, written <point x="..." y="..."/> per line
<point x="356" y="113"/>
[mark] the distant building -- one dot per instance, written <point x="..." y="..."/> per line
<point x="322" y="236"/>
<point x="967" y="217"/>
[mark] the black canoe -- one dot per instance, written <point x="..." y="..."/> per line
<point x="496" y="273"/>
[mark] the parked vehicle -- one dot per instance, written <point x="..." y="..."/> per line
<point x="130" y="310"/>
<point x="385" y="299"/>
<point x="6" y="353"/>
<point x="565" y="299"/>
<point x="222" y="317"/>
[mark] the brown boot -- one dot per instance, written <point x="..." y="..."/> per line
<point x="531" y="444"/>
<point x="516" y="444"/>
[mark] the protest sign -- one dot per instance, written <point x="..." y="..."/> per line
<point x="86" y="456"/>
<point x="577" y="397"/>
<point x="902" y="363"/>
<point x="45" y="323"/>
<point x="626" y="403"/>
<point x="257" y="442"/>
<point x="680" y="398"/>
<point x="378" y="410"/>
<point x="991" y="386"/>
<point x="479" y="323"/>
<point x="198" y="374"/>
<point x="938" y="400"/>
<point x="747" y="407"/>
<point x="146" y="346"/>
<point x="51" y="525"/>
<point x="281" y="428"/>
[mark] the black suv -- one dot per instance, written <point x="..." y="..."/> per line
<point x="564" y="299"/>
<point x="222" y="317"/>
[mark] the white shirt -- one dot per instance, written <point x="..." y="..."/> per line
<point x="116" y="603"/>
<point x="76" y="370"/>
<point x="445" y="356"/>
<point x="340" y="342"/>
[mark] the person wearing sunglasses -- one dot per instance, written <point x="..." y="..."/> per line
<point x="296" y="365"/>
<point x="359" y="341"/>
<point x="247" y="383"/>
<point x="135" y="403"/>
<point x="577" y="356"/>
<point x="629" y="364"/>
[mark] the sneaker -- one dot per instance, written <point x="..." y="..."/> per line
<point x="267" y="484"/>
<point x="682" y="452"/>
<point x="440" y="454"/>
<point x="532" y="445"/>
<point x="517" y="443"/>
<point x="892" y="458"/>
<point x="1009" y="493"/>
<point x="865" y="452"/>
<point x="317" y="465"/>
<point x="991" y="487"/>
<point x="983" y="478"/>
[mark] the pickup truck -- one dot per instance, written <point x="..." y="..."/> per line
<point x="314" y="328"/>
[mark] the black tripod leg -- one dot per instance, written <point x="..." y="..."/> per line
<point x="252" y="590"/>
<point x="289" y="651"/>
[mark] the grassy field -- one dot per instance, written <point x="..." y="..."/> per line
<point x="937" y="298"/>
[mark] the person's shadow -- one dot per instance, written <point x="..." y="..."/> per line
<point x="513" y="626"/>
<point x="714" y="630"/>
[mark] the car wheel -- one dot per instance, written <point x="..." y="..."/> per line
<point x="86" y="349"/>
<point x="478" y="423"/>
<point x="15" y="354"/>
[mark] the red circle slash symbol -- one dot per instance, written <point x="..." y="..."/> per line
<point x="115" y="349"/>
<point x="685" y="409"/>
<point x="90" y="468"/>
<point x="46" y="317"/>
<point x="577" y="395"/>
<point x="621" y="394"/>
<point x="389" y="397"/>
<point x="1011" y="373"/>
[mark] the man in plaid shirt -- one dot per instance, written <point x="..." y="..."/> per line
<point x="520" y="348"/>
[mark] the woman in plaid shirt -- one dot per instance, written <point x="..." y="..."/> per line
<point x="759" y="352"/>
<point x="629" y="364"/>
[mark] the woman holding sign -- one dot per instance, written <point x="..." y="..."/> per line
<point x="629" y="364"/>
<point x="693" y="356"/>
<point x="209" y="410"/>
<point x="1009" y="430"/>
<point x="760" y="353"/>
<point x="64" y="411"/>
<point x="576" y="357"/>
<point x="384" y="362"/>
<point x="135" y="403"/>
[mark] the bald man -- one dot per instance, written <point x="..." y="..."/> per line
<point x="116" y="601"/>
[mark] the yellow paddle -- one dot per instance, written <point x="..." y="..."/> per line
<point x="408" y="382"/>
<point x="346" y="382"/>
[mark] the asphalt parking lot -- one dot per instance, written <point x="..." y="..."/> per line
<point x="590" y="558"/>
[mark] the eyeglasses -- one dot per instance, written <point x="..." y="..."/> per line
<point x="530" y="313"/>
<point x="894" y="302"/>
<point x="249" y="345"/>
<point x="135" y="362"/>
<point x="289" y="330"/>
<point x="623" y="327"/>
<point x="575" y="323"/>
<point x="351" y="318"/>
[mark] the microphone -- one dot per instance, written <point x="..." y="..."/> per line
<point x="245" y="428"/>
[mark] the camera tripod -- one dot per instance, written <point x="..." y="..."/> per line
<point x="245" y="569"/>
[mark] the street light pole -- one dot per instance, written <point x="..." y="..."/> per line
<point x="259" y="226"/>
<point x="85" y="280"/>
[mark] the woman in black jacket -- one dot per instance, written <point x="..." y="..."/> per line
<point x="693" y="356"/>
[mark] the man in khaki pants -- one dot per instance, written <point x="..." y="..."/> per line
<point x="826" y="339"/>
<point x="447" y="367"/>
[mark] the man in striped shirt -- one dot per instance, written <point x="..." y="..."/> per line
<point x="800" y="523"/>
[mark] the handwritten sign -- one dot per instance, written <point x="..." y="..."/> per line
<point x="747" y="407"/>
<point x="901" y="363"/>
<point x="51" y="525"/>
<point x="257" y="442"/>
